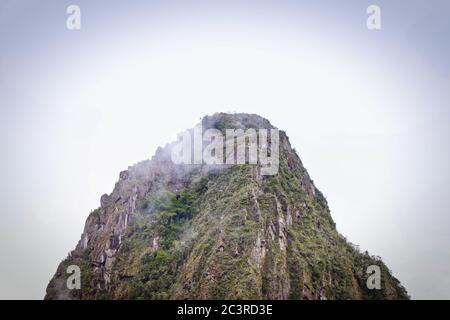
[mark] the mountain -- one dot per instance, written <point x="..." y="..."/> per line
<point x="198" y="231"/>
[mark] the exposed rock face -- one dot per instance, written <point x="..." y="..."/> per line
<point x="225" y="232"/>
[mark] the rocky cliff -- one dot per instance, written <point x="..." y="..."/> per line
<point x="171" y="231"/>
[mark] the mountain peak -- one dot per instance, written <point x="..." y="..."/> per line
<point x="236" y="121"/>
<point x="201" y="231"/>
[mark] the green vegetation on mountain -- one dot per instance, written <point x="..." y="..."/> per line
<point x="225" y="233"/>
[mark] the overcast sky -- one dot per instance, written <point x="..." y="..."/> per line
<point x="368" y="111"/>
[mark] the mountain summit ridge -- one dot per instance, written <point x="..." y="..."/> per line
<point x="174" y="231"/>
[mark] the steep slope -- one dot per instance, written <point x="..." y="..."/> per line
<point x="218" y="232"/>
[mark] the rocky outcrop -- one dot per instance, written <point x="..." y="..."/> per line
<point x="217" y="232"/>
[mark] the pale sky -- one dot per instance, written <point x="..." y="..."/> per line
<point x="368" y="112"/>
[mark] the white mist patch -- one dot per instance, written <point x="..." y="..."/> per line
<point x="250" y="146"/>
